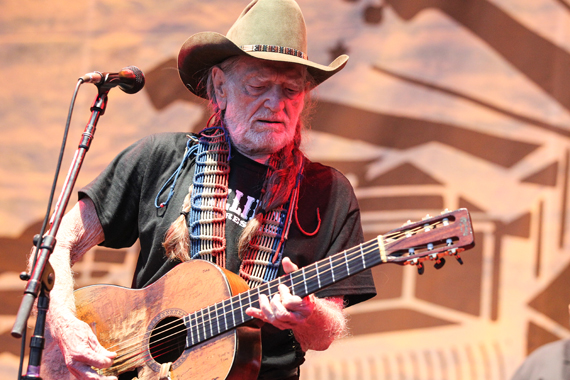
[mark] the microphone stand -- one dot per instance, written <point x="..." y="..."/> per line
<point x="42" y="277"/>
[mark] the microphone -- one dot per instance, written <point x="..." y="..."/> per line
<point x="130" y="79"/>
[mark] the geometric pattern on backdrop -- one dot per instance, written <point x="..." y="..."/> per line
<point x="422" y="119"/>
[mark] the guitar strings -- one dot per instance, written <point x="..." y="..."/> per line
<point x="356" y="253"/>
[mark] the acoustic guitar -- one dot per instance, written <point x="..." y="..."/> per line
<point x="194" y="316"/>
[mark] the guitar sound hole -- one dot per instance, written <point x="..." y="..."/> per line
<point x="168" y="340"/>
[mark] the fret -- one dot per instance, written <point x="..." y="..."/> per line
<point x="241" y="309"/>
<point x="362" y="256"/>
<point x="207" y="323"/>
<point x="318" y="275"/>
<point x="264" y="289"/>
<point x="273" y="288"/>
<point x="354" y="261"/>
<point x="190" y="334"/>
<point x="332" y="268"/>
<point x="340" y="268"/>
<point x="212" y="320"/>
<point x="346" y="263"/>
<point x="217" y="318"/>
<point x="257" y="302"/>
<point x="231" y="311"/>
<point x="204" y="325"/>
<point x="199" y="323"/>
<point x="277" y="284"/>
<point x="292" y="287"/>
<point x="194" y="324"/>
<point x="251" y="301"/>
<point x="305" y="281"/>
<point x="288" y="282"/>
<point x="246" y="302"/>
<point x="225" y="313"/>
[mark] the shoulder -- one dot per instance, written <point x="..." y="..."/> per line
<point x="158" y="146"/>
<point x="319" y="176"/>
<point x="326" y="188"/>
<point x="321" y="179"/>
<point x="166" y="140"/>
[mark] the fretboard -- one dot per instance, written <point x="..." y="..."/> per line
<point x="230" y="313"/>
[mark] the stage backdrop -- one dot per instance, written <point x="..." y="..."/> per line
<point x="443" y="104"/>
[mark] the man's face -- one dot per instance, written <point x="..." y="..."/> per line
<point x="263" y="101"/>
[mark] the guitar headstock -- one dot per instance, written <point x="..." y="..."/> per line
<point x="432" y="238"/>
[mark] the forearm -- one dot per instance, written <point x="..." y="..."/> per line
<point x="325" y="324"/>
<point x="79" y="231"/>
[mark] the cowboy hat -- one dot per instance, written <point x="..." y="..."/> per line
<point x="266" y="29"/>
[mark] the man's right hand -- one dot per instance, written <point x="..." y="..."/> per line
<point x="81" y="350"/>
<point x="80" y="230"/>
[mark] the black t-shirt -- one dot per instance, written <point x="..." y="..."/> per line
<point x="124" y="197"/>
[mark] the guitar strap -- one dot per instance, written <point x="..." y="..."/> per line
<point x="207" y="216"/>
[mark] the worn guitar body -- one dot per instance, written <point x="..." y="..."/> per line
<point x="125" y="319"/>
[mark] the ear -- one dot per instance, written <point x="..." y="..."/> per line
<point x="219" y="81"/>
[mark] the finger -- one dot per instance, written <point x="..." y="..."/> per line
<point x="288" y="265"/>
<point x="106" y="357"/>
<point x="254" y="312"/>
<point x="259" y="312"/>
<point x="99" y="357"/>
<point x="82" y="371"/>
<point x="287" y="311"/>
<point x="287" y="299"/>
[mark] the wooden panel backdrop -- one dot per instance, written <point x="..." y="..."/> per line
<point x="443" y="104"/>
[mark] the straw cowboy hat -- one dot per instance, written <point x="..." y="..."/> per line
<point x="266" y="29"/>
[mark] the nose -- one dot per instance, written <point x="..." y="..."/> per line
<point x="275" y="99"/>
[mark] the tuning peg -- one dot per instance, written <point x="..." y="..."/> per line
<point x="444" y="211"/>
<point x="428" y="216"/>
<point x="421" y="268"/>
<point x="408" y="222"/>
<point x="439" y="263"/>
<point x="458" y="258"/>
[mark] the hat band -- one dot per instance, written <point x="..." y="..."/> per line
<point x="275" y="49"/>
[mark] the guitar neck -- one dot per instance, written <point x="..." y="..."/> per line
<point x="229" y="314"/>
<point x="431" y="238"/>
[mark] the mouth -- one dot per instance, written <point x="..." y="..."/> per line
<point x="271" y="123"/>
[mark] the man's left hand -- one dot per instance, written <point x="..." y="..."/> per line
<point x="284" y="310"/>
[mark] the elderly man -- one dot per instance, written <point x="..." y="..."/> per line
<point x="240" y="194"/>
